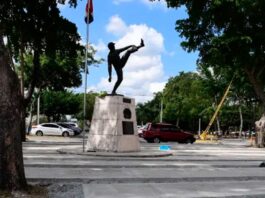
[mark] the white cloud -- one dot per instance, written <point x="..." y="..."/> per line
<point x="100" y="46"/>
<point x="143" y="73"/>
<point x="157" y="86"/>
<point x="150" y="4"/>
<point x="116" y="26"/>
<point x="155" y="4"/>
<point x="117" y="2"/>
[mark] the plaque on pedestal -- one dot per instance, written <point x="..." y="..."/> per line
<point x="113" y="126"/>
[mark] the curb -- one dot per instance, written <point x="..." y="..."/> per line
<point x="145" y="180"/>
<point x="140" y="154"/>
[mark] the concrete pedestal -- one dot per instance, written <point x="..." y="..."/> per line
<point x="113" y="127"/>
<point x="260" y="131"/>
<point x="260" y="124"/>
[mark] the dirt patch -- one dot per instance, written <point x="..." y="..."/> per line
<point x="65" y="190"/>
<point x="47" y="191"/>
<point x="32" y="192"/>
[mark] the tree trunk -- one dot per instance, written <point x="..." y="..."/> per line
<point x="177" y="122"/>
<point x="259" y="90"/>
<point x="12" y="175"/>
<point x="30" y="115"/>
<point x="241" y="121"/>
<point x="23" y="123"/>
<point x="23" y="110"/>
<point x="218" y="125"/>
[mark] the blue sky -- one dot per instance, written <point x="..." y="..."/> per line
<point x="125" y="22"/>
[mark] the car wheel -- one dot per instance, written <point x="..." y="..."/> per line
<point x="39" y="133"/>
<point x="149" y="141"/>
<point x="156" y="140"/>
<point x="189" y="141"/>
<point x="65" y="134"/>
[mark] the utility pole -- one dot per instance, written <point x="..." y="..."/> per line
<point x="161" y="111"/>
<point x="38" y="110"/>
<point x="89" y="19"/>
<point x="199" y="130"/>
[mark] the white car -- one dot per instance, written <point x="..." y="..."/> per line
<point x="51" y="129"/>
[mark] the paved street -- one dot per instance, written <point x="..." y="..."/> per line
<point x="226" y="169"/>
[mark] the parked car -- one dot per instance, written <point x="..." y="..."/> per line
<point x="76" y="130"/>
<point x="140" y="130"/>
<point x="72" y="124"/>
<point x="51" y="129"/>
<point x="166" y="132"/>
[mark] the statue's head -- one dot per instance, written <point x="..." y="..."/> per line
<point x="111" y="46"/>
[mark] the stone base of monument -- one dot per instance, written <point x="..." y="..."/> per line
<point x="113" y="126"/>
<point x="260" y="131"/>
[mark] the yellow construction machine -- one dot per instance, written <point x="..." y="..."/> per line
<point x="204" y="134"/>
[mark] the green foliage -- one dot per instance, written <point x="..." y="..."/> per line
<point x="189" y="97"/>
<point x="55" y="73"/>
<point x="185" y="99"/>
<point x="90" y="101"/>
<point x="233" y="41"/>
<point x="150" y="111"/>
<point x="54" y="104"/>
<point x="49" y="43"/>
<point x="34" y="28"/>
<point x="37" y="25"/>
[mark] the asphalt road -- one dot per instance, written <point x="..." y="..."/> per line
<point x="229" y="168"/>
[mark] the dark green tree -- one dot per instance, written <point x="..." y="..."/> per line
<point x="234" y="40"/>
<point x="90" y="101"/>
<point x="55" y="104"/>
<point x="33" y="27"/>
<point x="214" y="83"/>
<point x="58" y="68"/>
<point x="149" y="111"/>
<point x="185" y="98"/>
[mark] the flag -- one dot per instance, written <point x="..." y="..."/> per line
<point x="89" y="11"/>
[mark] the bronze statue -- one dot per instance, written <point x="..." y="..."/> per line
<point x="118" y="63"/>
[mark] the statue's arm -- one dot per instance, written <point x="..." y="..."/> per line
<point x="109" y="69"/>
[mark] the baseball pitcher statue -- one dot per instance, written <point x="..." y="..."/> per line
<point x="118" y="62"/>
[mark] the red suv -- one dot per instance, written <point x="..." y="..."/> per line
<point x="166" y="132"/>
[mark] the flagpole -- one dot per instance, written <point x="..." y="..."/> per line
<point x="86" y="72"/>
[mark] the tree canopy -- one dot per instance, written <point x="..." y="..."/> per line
<point x="190" y="96"/>
<point x="228" y="35"/>
<point x="55" y="104"/>
<point x="47" y="45"/>
<point x="51" y="42"/>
